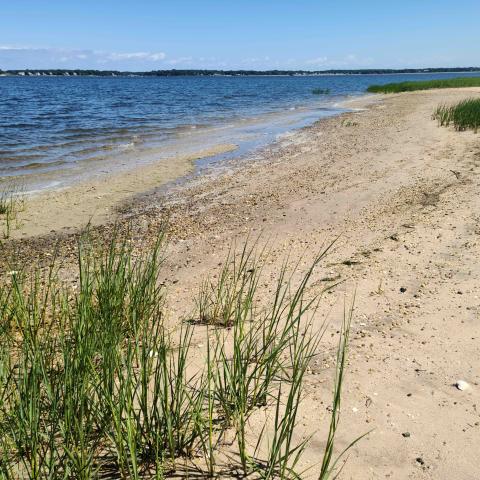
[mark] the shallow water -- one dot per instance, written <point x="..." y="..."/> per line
<point x="57" y="129"/>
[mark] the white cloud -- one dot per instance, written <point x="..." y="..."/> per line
<point x="317" y="61"/>
<point x="180" y="61"/>
<point x="136" y="55"/>
<point x="157" y="56"/>
<point x="19" y="57"/>
<point x="348" y="61"/>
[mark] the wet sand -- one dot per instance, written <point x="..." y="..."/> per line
<point x="95" y="200"/>
<point x="402" y="197"/>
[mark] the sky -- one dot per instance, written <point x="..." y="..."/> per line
<point x="243" y="34"/>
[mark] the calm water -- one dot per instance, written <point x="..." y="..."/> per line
<point x="64" y="124"/>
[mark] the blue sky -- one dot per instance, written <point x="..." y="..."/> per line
<point x="244" y="34"/>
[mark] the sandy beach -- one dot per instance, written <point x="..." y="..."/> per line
<point x="401" y="197"/>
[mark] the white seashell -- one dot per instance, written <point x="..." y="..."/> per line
<point x="462" y="384"/>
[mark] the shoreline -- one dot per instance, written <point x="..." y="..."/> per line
<point x="69" y="206"/>
<point x="401" y="196"/>
<point x="95" y="200"/>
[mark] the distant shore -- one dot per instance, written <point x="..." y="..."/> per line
<point x="194" y="72"/>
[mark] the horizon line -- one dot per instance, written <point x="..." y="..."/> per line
<point x="50" y="71"/>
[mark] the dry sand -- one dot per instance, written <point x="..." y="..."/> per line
<point x="403" y="196"/>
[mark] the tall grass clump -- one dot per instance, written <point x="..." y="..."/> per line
<point x="94" y="383"/>
<point x="11" y="203"/>
<point x="463" y="116"/>
<point x="251" y="368"/>
<point x="459" y="82"/>
<point x="81" y="368"/>
<point x="218" y="299"/>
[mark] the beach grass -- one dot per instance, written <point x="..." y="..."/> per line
<point x="459" y="82"/>
<point x="464" y="115"/>
<point x="11" y="203"/>
<point x="219" y="299"/>
<point x="95" y="383"/>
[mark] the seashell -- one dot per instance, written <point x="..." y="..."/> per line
<point x="461" y="385"/>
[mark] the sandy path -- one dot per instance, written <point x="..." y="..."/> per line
<point x="403" y="194"/>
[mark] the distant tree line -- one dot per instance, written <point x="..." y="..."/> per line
<point x="197" y="72"/>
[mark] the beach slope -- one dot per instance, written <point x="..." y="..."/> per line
<point x="402" y="197"/>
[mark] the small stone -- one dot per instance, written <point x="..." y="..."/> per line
<point x="406" y="434"/>
<point x="420" y="460"/>
<point x="461" y="385"/>
<point x="403" y="289"/>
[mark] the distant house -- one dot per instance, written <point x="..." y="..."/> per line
<point x="21" y="74"/>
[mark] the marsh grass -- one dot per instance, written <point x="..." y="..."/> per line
<point x="95" y="384"/>
<point x="321" y="91"/>
<point x="459" y="82"/>
<point x="464" y="115"/>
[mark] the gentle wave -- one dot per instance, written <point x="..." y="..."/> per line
<point x="56" y="122"/>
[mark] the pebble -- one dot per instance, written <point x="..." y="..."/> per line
<point x="406" y="434"/>
<point x="420" y="460"/>
<point x="461" y="385"/>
